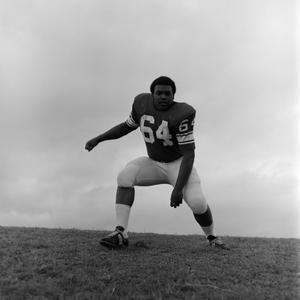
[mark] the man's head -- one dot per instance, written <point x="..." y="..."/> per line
<point x="163" y="89"/>
<point x="163" y="80"/>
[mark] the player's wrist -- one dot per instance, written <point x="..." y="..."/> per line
<point x="99" y="139"/>
<point x="177" y="189"/>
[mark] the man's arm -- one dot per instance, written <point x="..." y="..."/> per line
<point x="183" y="176"/>
<point x="112" y="134"/>
<point x="185" y="169"/>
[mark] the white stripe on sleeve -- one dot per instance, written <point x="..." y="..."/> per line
<point x="186" y="138"/>
<point x="131" y="123"/>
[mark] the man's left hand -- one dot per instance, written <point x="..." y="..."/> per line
<point x="176" y="198"/>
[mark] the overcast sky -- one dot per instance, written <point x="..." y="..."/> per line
<point x="69" y="70"/>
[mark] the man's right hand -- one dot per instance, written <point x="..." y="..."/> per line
<point x="91" y="144"/>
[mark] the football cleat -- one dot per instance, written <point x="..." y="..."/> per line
<point x="218" y="243"/>
<point x="115" y="240"/>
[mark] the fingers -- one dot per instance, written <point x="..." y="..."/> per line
<point x="88" y="147"/>
<point x="91" y="144"/>
<point x="175" y="204"/>
<point x="176" y="200"/>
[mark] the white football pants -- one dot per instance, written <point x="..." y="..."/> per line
<point x="144" y="171"/>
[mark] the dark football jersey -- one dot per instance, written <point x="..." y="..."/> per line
<point x="167" y="134"/>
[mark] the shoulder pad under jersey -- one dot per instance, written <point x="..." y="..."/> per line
<point x="141" y="101"/>
<point x="182" y="111"/>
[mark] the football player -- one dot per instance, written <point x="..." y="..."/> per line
<point x="167" y="128"/>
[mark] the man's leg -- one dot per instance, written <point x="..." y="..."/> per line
<point x="205" y="220"/>
<point x="124" y="201"/>
<point x="195" y="199"/>
<point x="139" y="172"/>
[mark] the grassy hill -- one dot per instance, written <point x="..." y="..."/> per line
<point x="37" y="263"/>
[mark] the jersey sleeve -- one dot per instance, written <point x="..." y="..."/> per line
<point x="132" y="121"/>
<point x="184" y="133"/>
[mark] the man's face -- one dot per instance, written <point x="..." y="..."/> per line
<point x="163" y="96"/>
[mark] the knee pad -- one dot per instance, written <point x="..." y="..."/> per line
<point x="195" y="199"/>
<point x="126" y="178"/>
<point x="197" y="205"/>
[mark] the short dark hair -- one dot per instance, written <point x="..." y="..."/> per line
<point x="163" y="80"/>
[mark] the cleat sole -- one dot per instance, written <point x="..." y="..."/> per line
<point x="109" y="245"/>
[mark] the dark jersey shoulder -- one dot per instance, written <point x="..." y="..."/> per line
<point x="179" y="112"/>
<point x="141" y="102"/>
<point x="142" y="96"/>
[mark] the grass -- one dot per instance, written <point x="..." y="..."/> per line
<point x="37" y="263"/>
